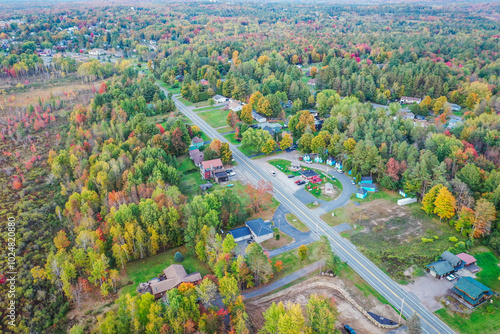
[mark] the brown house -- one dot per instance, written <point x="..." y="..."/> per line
<point x="196" y="156"/>
<point x="175" y="275"/>
<point x="210" y="167"/>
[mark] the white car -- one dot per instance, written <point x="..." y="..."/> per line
<point x="451" y="277"/>
<point x="273" y="173"/>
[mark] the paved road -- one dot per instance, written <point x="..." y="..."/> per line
<point x="283" y="281"/>
<point x="344" y="248"/>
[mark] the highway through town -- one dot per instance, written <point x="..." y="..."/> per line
<point x="380" y="281"/>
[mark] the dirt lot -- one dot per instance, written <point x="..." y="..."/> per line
<point x="347" y="313"/>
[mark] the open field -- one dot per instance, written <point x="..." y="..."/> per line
<point x="143" y="270"/>
<point x="215" y="118"/>
<point x="391" y="235"/>
<point x="231" y="137"/>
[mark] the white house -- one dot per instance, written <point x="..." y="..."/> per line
<point x="409" y="100"/>
<point x="235" y="105"/>
<point x="259" y="229"/>
<point x="219" y="98"/>
<point x="258" y="117"/>
<point x="97" y="52"/>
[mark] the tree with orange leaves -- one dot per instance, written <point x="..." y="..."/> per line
<point x="259" y="195"/>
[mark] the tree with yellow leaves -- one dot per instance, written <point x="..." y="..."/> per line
<point x="445" y="204"/>
<point x="286" y="141"/>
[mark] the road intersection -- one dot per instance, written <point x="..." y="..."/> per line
<point x="380" y="281"/>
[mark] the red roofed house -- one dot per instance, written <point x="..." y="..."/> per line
<point x="204" y="82"/>
<point x="469" y="262"/>
<point x="209" y="168"/>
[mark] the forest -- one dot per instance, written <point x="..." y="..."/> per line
<point x="93" y="176"/>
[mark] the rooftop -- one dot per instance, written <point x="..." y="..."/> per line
<point x="258" y="227"/>
<point x="175" y="275"/>
<point x="468" y="259"/>
<point x="441" y="267"/>
<point x="212" y="163"/>
<point x="240" y="232"/>
<point x="471" y="287"/>
<point x="308" y="173"/>
<point x="197" y="140"/>
<point x="451" y="258"/>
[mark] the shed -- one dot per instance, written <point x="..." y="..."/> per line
<point x="258" y="117"/>
<point x="219" y="98"/>
<point x="240" y="234"/>
<point x="361" y="193"/>
<point x="206" y="186"/>
<point x="259" y="229"/>
<point x="440" y="268"/>
<point x="366" y="179"/>
<point x="467" y="259"/>
<point x="370" y="187"/>
<point x="471" y="292"/>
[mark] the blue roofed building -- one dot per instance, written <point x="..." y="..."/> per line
<point x="361" y="193"/>
<point x="241" y="233"/>
<point x="471" y="292"/>
<point x="259" y="229"/>
<point x="366" y="179"/>
<point x="370" y="187"/>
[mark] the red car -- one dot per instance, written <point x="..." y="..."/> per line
<point x="297" y="181"/>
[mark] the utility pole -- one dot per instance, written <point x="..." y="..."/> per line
<point x="401" y="311"/>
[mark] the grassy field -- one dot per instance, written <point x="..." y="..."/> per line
<point x="283" y="165"/>
<point x="215" y="118"/>
<point x="204" y="108"/>
<point x="272" y="243"/>
<point x="231" y="138"/>
<point x="225" y="129"/>
<point x="185" y="102"/>
<point x="191" y="179"/>
<point x="291" y="259"/>
<point x="490" y="275"/>
<point x="143" y="270"/>
<point x="297" y="223"/>
<point x="169" y="88"/>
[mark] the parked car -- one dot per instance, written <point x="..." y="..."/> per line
<point x="451" y="277"/>
<point x="353" y="182"/>
<point x="273" y="173"/>
<point x="309" y="162"/>
<point x="349" y="329"/>
<point x="291" y="176"/>
<point x="301" y="183"/>
<point x="230" y="172"/>
<point x="297" y="181"/>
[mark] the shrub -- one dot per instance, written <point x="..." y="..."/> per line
<point x="436" y="237"/>
<point x="426" y="240"/>
<point x="278" y="237"/>
<point x="453" y="239"/>
<point x="178" y="257"/>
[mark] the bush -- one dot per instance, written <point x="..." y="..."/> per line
<point x="178" y="257"/>
<point x="453" y="239"/>
<point x="278" y="237"/>
<point x="426" y="240"/>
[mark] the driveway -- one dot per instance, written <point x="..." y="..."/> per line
<point x="301" y="238"/>
<point x="283" y="281"/>
<point x="428" y="289"/>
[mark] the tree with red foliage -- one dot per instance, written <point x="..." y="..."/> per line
<point x="103" y="88"/>
<point x="16" y="184"/>
<point x="178" y="144"/>
<point x="259" y="195"/>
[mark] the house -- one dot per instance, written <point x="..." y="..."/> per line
<point x="469" y="262"/>
<point x="308" y="174"/>
<point x="407" y="115"/>
<point x="259" y="229"/>
<point x="440" y="268"/>
<point x="409" y="100"/>
<point x="179" y="78"/>
<point x="330" y="161"/>
<point x="210" y="167"/>
<point x="197" y="156"/>
<point x="206" y="186"/>
<point x="313" y="112"/>
<point x="366" y="179"/>
<point x="97" y="52"/>
<point x="204" y="82"/>
<point x="452" y="259"/>
<point x="307" y="157"/>
<point x="270" y="130"/>
<point x="294" y="167"/>
<point x="240" y="234"/>
<point x="258" y="117"/>
<point x="361" y="193"/>
<point x="196" y="143"/>
<point x="455" y="107"/>
<point x="318" y="159"/>
<point x="311" y="82"/>
<point x="454" y="121"/>
<point x="447" y="264"/>
<point x="471" y="292"/>
<point x="370" y="187"/>
<point x="328" y="188"/>
<point x="173" y="276"/>
<point x="275" y="126"/>
<point x="235" y="105"/>
<point x="219" y="98"/>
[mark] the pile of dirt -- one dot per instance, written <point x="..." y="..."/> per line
<point x="348" y="314"/>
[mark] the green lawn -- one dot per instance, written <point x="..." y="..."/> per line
<point x="297" y="223"/>
<point x="143" y="270"/>
<point x="391" y="196"/>
<point x="186" y="102"/>
<point x="291" y="259"/>
<point x="490" y="273"/>
<point x="272" y="243"/>
<point x="231" y="137"/>
<point x="216" y="118"/>
<point x="283" y="165"/>
<point x="247" y="151"/>
<point x="485" y="319"/>
<point x="225" y="129"/>
<point x="169" y="88"/>
<point x="203" y="109"/>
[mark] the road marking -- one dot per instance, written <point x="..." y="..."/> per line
<point x="243" y="158"/>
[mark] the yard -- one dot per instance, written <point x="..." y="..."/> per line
<point x="291" y="259"/>
<point x="143" y="270"/>
<point x="391" y="235"/>
<point x="231" y="137"/>
<point x="272" y="243"/>
<point x="297" y="223"/>
<point x="169" y="88"/>
<point x="215" y="118"/>
<point x="283" y="165"/>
